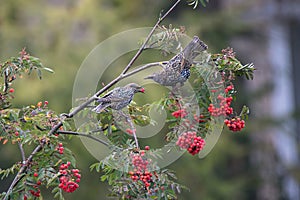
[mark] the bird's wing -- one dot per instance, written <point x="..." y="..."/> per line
<point x="106" y="98"/>
<point x="116" y="99"/>
<point x="101" y="107"/>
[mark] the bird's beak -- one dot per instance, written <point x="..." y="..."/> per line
<point x="142" y="90"/>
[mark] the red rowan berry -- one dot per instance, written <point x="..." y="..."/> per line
<point x="39" y="104"/>
<point x="179" y="113"/>
<point x="235" y="124"/>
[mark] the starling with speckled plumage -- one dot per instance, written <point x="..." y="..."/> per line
<point x="118" y="98"/>
<point x="177" y="70"/>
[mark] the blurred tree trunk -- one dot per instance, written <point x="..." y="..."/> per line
<point x="274" y="150"/>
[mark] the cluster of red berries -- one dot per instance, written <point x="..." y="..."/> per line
<point x="67" y="182"/>
<point x="40" y="104"/>
<point x="60" y="148"/>
<point x="224" y="108"/>
<point x="224" y="105"/>
<point x="145" y="177"/>
<point x="179" y="113"/>
<point x="139" y="163"/>
<point x="196" y="146"/>
<point x="229" y="89"/>
<point x="140" y="171"/>
<point x="200" y="118"/>
<point x="186" y="139"/>
<point x="235" y="124"/>
<point x="191" y="142"/>
<point x="36" y="193"/>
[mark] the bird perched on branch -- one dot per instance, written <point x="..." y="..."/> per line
<point x="118" y="98"/>
<point x="177" y="70"/>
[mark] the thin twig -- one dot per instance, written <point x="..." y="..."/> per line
<point x="22" y="170"/>
<point x="22" y="152"/>
<point x="20" y="173"/>
<point x="133" y="132"/>
<point x="144" y="67"/>
<point x="84" y="135"/>
<point x="5" y="81"/>
<point x="149" y="36"/>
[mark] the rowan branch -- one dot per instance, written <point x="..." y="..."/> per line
<point x="22" y="151"/>
<point x="90" y="100"/>
<point x="161" y="64"/>
<point x="149" y="36"/>
<point x="84" y="135"/>
<point x="20" y="173"/>
<point x="5" y="81"/>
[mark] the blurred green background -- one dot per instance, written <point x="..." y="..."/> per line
<point x="262" y="162"/>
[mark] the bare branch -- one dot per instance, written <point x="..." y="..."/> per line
<point x="5" y="81"/>
<point x="148" y="37"/>
<point x="22" y="169"/>
<point x="84" y="135"/>
<point x="144" y="67"/>
<point x="22" y="152"/>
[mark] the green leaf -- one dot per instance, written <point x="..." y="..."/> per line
<point x="195" y="3"/>
<point x="203" y="2"/>
<point x="48" y="69"/>
<point x="52" y="179"/>
<point x="58" y="193"/>
<point x="95" y="166"/>
<point x="244" y="112"/>
<point x="39" y="72"/>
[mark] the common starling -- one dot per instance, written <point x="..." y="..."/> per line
<point x="177" y="70"/>
<point x="118" y="98"/>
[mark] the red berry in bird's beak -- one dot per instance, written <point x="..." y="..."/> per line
<point x="142" y="90"/>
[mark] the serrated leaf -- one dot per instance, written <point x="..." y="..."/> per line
<point x="48" y="69"/>
<point x="52" y="179"/>
<point x="58" y="193"/>
<point x="39" y="73"/>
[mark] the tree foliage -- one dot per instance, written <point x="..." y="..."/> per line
<point x="52" y="165"/>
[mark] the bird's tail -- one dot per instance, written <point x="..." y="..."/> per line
<point x="103" y="104"/>
<point x="194" y="48"/>
<point x="100" y="108"/>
